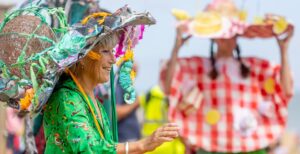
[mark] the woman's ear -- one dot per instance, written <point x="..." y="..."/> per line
<point x="82" y="62"/>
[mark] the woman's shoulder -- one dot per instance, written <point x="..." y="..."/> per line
<point x="259" y="62"/>
<point x="194" y="59"/>
<point x="64" y="102"/>
<point x="64" y="93"/>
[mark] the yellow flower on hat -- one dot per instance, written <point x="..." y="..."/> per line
<point x="132" y="75"/>
<point x="243" y="15"/>
<point x="128" y="56"/>
<point x="280" y="25"/>
<point x="25" y="102"/>
<point x="180" y="14"/>
<point x="258" y="20"/>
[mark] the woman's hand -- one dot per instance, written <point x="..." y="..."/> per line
<point x="286" y="81"/>
<point x="179" y="41"/>
<point x="283" y="42"/>
<point x="166" y="133"/>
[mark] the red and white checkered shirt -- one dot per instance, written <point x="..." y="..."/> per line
<point x="252" y="111"/>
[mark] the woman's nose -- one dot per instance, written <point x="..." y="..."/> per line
<point x="112" y="58"/>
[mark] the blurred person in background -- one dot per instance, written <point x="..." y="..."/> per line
<point x="155" y="114"/>
<point x="15" y="132"/>
<point x="128" y="124"/>
<point x="227" y="103"/>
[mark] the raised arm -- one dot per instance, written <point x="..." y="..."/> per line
<point x="179" y="41"/>
<point x="285" y="72"/>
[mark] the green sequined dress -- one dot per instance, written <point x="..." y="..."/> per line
<point x="69" y="125"/>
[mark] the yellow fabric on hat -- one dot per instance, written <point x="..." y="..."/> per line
<point x="94" y="15"/>
<point x="207" y="23"/>
<point x="94" y="56"/>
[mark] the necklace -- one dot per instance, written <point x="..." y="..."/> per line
<point x="89" y="104"/>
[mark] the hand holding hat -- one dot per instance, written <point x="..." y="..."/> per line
<point x="180" y="40"/>
<point x="284" y="39"/>
<point x="269" y="26"/>
<point x="221" y="19"/>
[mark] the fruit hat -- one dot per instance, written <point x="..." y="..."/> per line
<point x="222" y="19"/>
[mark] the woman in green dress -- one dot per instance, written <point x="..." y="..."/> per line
<point x="68" y="119"/>
<point x="62" y="63"/>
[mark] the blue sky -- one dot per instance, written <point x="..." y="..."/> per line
<point x="158" y="39"/>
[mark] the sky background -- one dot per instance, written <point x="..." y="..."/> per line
<point x="159" y="39"/>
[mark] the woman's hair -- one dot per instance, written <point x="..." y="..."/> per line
<point x="245" y="71"/>
<point x="108" y="42"/>
<point x="213" y="74"/>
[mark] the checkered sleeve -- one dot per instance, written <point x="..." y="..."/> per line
<point x="183" y="81"/>
<point x="269" y="79"/>
<point x="175" y="82"/>
<point x="278" y="87"/>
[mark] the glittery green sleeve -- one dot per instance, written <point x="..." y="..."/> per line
<point x="69" y="126"/>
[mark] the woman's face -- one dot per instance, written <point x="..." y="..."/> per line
<point x="99" y="69"/>
<point x="226" y="44"/>
<point x="104" y="65"/>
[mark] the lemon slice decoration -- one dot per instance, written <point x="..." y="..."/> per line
<point x="243" y="15"/>
<point x="269" y="86"/>
<point x="258" y="20"/>
<point x="212" y="117"/>
<point x="207" y="23"/>
<point x="280" y="25"/>
<point x="180" y="14"/>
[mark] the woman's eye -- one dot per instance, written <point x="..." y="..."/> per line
<point x="108" y="51"/>
<point x="105" y="51"/>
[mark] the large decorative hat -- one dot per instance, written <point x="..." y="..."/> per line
<point x="222" y="19"/>
<point x="34" y="54"/>
<point x="75" y="10"/>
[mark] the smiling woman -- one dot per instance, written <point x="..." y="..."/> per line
<point x="66" y="68"/>
<point x="75" y="122"/>
<point x="98" y="63"/>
